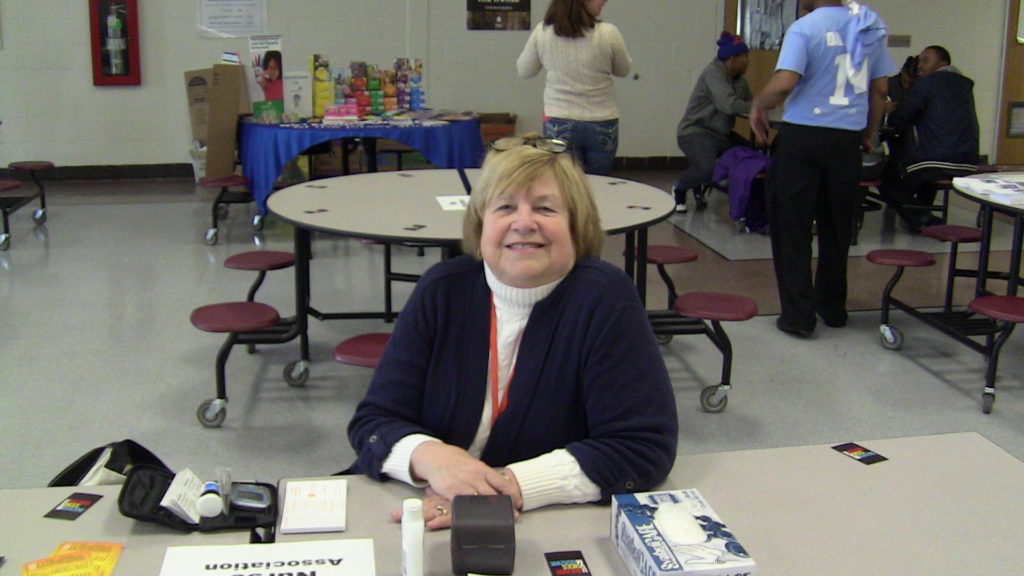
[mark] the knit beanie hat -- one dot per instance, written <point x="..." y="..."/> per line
<point x="730" y="45"/>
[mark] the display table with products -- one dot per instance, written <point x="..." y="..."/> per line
<point x="265" y="149"/>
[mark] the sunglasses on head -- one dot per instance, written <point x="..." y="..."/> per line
<point x="547" y="144"/>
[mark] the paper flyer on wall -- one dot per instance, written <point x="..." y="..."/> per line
<point x="321" y="557"/>
<point x="266" y="80"/>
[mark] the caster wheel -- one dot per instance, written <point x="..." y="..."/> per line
<point x="663" y="338"/>
<point x="39" y="216"/>
<point x="211" y="237"/>
<point x="212" y="413"/>
<point x="987" y="399"/>
<point x="714" y="399"/>
<point x="892" y="338"/>
<point x="257" y="222"/>
<point x="222" y="211"/>
<point x="296" y="373"/>
<point x="5" y="241"/>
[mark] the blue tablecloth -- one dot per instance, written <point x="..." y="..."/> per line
<point x="265" y="148"/>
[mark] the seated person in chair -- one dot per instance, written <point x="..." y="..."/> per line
<point x="706" y="129"/>
<point x="527" y="367"/>
<point x="940" y="130"/>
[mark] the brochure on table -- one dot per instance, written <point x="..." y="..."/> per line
<point x="1002" y="188"/>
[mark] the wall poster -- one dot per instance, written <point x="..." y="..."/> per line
<point x="497" y="14"/>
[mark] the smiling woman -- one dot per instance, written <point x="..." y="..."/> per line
<point x="527" y="367"/>
<point x="533" y="224"/>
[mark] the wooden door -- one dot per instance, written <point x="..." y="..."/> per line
<point x="1011" y="150"/>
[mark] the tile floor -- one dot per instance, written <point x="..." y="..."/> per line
<point x="97" y="345"/>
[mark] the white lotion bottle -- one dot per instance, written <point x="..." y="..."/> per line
<point x="412" y="537"/>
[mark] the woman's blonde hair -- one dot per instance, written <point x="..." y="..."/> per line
<point x="518" y="169"/>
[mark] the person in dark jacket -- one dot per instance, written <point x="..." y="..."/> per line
<point x="940" y="128"/>
<point x="528" y="366"/>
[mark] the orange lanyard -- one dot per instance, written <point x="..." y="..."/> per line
<point x="498" y="405"/>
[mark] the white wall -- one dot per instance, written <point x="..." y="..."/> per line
<point x="50" y="109"/>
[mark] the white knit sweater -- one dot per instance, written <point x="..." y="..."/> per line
<point x="579" y="79"/>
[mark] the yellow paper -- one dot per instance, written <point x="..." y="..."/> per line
<point x="77" y="559"/>
<point x="102" y="555"/>
<point x="70" y="564"/>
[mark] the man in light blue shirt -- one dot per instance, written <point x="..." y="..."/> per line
<point x="832" y="75"/>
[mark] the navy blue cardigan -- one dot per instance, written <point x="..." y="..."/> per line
<point x="588" y="377"/>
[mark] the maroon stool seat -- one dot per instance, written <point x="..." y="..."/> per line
<point x="1005" y="308"/>
<point x="662" y="255"/>
<point x="900" y="258"/>
<point x="363" y="350"/>
<point x="952" y="233"/>
<point x="716" y="306"/>
<point x="955" y="235"/>
<point x="12" y="202"/>
<point x="1007" y="312"/>
<point x="244" y="323"/>
<point x="261" y="261"/>
<point x="31" y="165"/>
<point x="226" y="196"/>
<point x="234" y="317"/>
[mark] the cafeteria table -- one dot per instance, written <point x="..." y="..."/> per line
<point x="427" y="207"/>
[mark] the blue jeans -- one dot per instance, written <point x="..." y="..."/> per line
<point x="593" y="143"/>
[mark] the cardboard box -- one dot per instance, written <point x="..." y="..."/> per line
<point x="197" y="90"/>
<point x="225" y="94"/>
<point x="495" y="125"/>
<point x="675" y="533"/>
<point x="216" y="98"/>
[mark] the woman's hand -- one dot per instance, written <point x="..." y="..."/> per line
<point x="450" y="471"/>
<point x="437" y="510"/>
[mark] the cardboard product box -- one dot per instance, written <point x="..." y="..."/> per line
<point x="197" y="90"/>
<point x="495" y="125"/>
<point x="227" y="88"/>
<point x="675" y="533"/>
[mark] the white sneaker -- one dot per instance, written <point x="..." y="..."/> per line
<point x="680" y="207"/>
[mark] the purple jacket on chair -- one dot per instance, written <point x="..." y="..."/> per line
<point x="740" y="165"/>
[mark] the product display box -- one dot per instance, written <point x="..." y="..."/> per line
<point x="216" y="98"/>
<point x="675" y="533"/>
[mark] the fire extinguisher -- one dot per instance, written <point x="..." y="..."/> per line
<point x="117" y="44"/>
